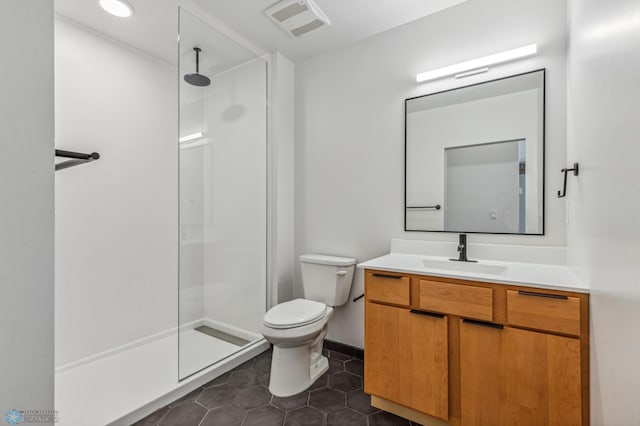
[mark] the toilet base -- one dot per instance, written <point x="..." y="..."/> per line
<point x="293" y="372"/>
<point x="294" y="369"/>
<point x="319" y="368"/>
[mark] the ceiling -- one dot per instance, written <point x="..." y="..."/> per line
<point x="153" y="26"/>
<point x="351" y="21"/>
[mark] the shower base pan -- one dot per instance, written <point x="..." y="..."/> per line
<point x="127" y="384"/>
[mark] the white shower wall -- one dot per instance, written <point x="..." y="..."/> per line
<point x="234" y="187"/>
<point x="116" y="218"/>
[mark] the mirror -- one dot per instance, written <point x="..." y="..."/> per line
<point x="474" y="158"/>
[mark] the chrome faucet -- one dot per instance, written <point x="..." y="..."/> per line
<point x="462" y="249"/>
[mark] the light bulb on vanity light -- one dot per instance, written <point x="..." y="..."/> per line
<point x="193" y="140"/>
<point x="476" y="66"/>
<point x="192" y="137"/>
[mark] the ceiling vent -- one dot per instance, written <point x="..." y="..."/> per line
<point x="297" y="17"/>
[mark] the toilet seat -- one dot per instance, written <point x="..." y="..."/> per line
<point x="295" y="313"/>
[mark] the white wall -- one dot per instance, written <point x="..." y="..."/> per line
<point x="116" y="218"/>
<point x="604" y="236"/>
<point x="483" y="188"/>
<point x="26" y="215"/>
<point x="350" y="128"/>
<point x="283" y="177"/>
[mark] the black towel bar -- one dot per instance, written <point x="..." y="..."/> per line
<point x="77" y="158"/>
<point x="436" y="207"/>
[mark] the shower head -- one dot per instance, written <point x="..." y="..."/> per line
<point x="197" y="79"/>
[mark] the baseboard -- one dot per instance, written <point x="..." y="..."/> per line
<point x="351" y="351"/>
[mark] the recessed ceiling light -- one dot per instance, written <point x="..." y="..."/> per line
<point x="119" y="8"/>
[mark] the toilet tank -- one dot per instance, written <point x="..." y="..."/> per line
<point x="327" y="279"/>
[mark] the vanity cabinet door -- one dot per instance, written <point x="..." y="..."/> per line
<point x="406" y="358"/>
<point x="386" y="334"/>
<point x="518" y="377"/>
<point x="482" y="374"/>
<point x="428" y="372"/>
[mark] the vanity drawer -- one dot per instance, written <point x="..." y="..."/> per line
<point x="544" y="311"/>
<point x="463" y="300"/>
<point x="388" y="288"/>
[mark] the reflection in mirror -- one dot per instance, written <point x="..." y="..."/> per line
<point x="475" y="158"/>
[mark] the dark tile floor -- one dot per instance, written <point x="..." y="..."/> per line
<point x="241" y="397"/>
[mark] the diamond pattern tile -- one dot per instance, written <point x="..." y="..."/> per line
<point x="241" y="398"/>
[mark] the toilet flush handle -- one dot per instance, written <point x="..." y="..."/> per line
<point x="341" y="273"/>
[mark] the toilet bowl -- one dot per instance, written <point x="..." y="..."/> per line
<point x="297" y="356"/>
<point x="297" y="328"/>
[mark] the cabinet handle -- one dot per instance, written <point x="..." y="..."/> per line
<point x="393" y="277"/>
<point x="483" y="324"/>
<point x="548" y="296"/>
<point x="427" y="314"/>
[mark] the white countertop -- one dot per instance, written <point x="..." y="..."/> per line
<point x="552" y="277"/>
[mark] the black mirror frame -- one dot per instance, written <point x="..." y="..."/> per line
<point x="544" y="155"/>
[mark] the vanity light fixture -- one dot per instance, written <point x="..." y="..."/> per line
<point x="477" y="66"/>
<point x="191" y="137"/>
<point x="119" y="8"/>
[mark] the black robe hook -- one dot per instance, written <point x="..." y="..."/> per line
<point x="575" y="170"/>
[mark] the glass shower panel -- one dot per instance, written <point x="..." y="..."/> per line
<point x="222" y="151"/>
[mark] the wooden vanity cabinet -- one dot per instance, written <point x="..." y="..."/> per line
<point x="406" y="355"/>
<point x="444" y="351"/>
<point x="510" y="376"/>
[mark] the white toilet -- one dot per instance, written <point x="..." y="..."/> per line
<point x="297" y="328"/>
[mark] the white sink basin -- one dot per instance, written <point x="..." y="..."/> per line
<point x="449" y="265"/>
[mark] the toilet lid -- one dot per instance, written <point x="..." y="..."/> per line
<point x="295" y="313"/>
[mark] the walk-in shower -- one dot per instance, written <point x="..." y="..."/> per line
<point x="161" y="265"/>
<point x="222" y="196"/>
